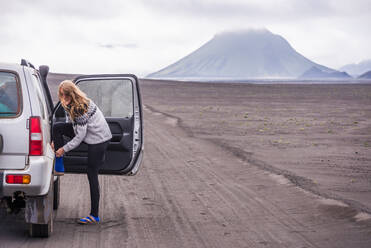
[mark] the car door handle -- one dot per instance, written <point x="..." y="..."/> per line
<point x="1" y="143"/>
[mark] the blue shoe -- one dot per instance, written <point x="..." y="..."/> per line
<point x="89" y="220"/>
<point x="59" y="166"/>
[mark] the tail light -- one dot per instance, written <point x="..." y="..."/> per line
<point x="36" y="137"/>
<point x="18" y="179"/>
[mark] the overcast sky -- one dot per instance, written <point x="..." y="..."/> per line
<point x="143" y="36"/>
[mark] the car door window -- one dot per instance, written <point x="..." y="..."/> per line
<point x="40" y="96"/>
<point x="114" y="97"/>
<point x="10" y="100"/>
<point x="49" y="103"/>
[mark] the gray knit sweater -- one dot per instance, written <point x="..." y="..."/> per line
<point x="91" y="127"/>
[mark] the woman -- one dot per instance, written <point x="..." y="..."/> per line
<point x="89" y="125"/>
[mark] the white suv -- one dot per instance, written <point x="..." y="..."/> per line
<point x="26" y="157"/>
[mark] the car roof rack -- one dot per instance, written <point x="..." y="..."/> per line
<point x="27" y="63"/>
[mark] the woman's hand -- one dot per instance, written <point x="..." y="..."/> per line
<point x="52" y="145"/>
<point x="59" y="152"/>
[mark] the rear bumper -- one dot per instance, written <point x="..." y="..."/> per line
<point x="40" y="168"/>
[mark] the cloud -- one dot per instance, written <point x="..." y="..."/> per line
<point x="92" y="9"/>
<point x="257" y="11"/>
<point x="113" y="46"/>
<point x="271" y="9"/>
<point x="95" y="35"/>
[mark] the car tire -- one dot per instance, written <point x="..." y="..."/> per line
<point x="56" y="196"/>
<point x="41" y="230"/>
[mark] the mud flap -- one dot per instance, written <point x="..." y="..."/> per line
<point x="39" y="209"/>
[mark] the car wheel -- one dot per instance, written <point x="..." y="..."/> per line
<point x="41" y="230"/>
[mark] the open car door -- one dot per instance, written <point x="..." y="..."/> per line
<point x="118" y="97"/>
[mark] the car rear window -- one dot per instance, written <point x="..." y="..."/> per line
<point x="9" y="95"/>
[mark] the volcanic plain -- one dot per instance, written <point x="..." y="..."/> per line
<point x="230" y="165"/>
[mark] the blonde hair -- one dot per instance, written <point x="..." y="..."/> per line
<point x="79" y="101"/>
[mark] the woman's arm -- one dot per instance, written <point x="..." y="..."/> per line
<point x="80" y="133"/>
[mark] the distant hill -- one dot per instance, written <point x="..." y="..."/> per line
<point x="316" y="73"/>
<point x="366" y="75"/>
<point x="54" y="79"/>
<point x="241" y="55"/>
<point x="357" y="69"/>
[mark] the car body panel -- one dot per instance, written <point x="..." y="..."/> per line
<point x="13" y="128"/>
<point x="14" y="158"/>
<point x="40" y="168"/>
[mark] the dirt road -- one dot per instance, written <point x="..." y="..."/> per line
<point x="316" y="135"/>
<point x="192" y="193"/>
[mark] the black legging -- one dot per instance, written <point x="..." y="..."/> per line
<point x="96" y="157"/>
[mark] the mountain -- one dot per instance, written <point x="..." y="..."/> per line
<point x="241" y="55"/>
<point x="316" y="73"/>
<point x="366" y="75"/>
<point x="357" y="69"/>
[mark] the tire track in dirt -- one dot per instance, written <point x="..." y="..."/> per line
<point x="180" y="166"/>
<point x="302" y="182"/>
<point x="236" y="196"/>
<point x="236" y="192"/>
<point x="188" y="195"/>
<point x="169" y="210"/>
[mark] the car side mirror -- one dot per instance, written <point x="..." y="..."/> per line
<point x="44" y="70"/>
